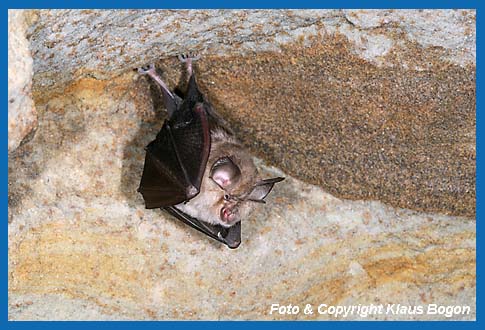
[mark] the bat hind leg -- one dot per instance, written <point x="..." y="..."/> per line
<point x="150" y="70"/>
<point x="187" y="59"/>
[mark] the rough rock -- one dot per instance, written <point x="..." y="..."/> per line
<point x="72" y="43"/>
<point x="22" y="116"/>
<point x="79" y="234"/>
<point x="366" y="104"/>
<point x="451" y="30"/>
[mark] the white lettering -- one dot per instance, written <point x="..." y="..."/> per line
<point x="322" y="309"/>
<point x="448" y="311"/>
<point x="289" y="309"/>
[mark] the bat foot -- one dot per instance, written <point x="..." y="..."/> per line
<point x="188" y="57"/>
<point x="152" y="72"/>
<point x="147" y="69"/>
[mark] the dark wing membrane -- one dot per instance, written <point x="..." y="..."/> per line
<point x="162" y="182"/>
<point x="230" y="236"/>
<point x="191" y="137"/>
<point x="176" y="159"/>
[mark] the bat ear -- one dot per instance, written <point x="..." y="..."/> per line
<point x="224" y="172"/>
<point x="262" y="189"/>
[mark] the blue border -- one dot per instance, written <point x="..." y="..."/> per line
<point x="181" y="4"/>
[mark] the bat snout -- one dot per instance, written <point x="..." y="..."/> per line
<point x="228" y="215"/>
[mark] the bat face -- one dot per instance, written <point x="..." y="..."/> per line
<point x="229" y="179"/>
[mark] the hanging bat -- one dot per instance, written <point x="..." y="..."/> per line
<point x="196" y="169"/>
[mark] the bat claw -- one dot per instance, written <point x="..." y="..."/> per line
<point x="188" y="57"/>
<point x="147" y="69"/>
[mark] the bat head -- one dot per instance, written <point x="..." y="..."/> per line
<point x="238" y="195"/>
<point x="231" y="186"/>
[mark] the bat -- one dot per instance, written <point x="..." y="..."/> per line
<point x="196" y="169"/>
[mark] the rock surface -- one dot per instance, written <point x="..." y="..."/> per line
<point x="82" y="246"/>
<point x="22" y="116"/>
<point x="69" y="44"/>
<point x="367" y="104"/>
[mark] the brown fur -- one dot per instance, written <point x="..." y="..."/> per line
<point x="208" y="203"/>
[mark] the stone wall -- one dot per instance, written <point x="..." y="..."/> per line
<point x="22" y="116"/>
<point x="366" y="104"/>
<point x="372" y="105"/>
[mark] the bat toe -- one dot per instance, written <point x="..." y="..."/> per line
<point x="147" y="68"/>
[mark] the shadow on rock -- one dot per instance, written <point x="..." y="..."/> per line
<point x="134" y="151"/>
<point x="59" y="127"/>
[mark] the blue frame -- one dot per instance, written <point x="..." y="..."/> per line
<point x="4" y="324"/>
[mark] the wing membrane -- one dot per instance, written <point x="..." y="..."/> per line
<point x="230" y="236"/>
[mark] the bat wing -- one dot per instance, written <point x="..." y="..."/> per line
<point x="230" y="236"/>
<point x="175" y="161"/>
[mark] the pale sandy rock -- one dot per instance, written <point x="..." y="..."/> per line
<point x="68" y="44"/>
<point x="377" y="107"/>
<point x="408" y="74"/>
<point x="82" y="246"/>
<point x="453" y="30"/>
<point x="22" y="116"/>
